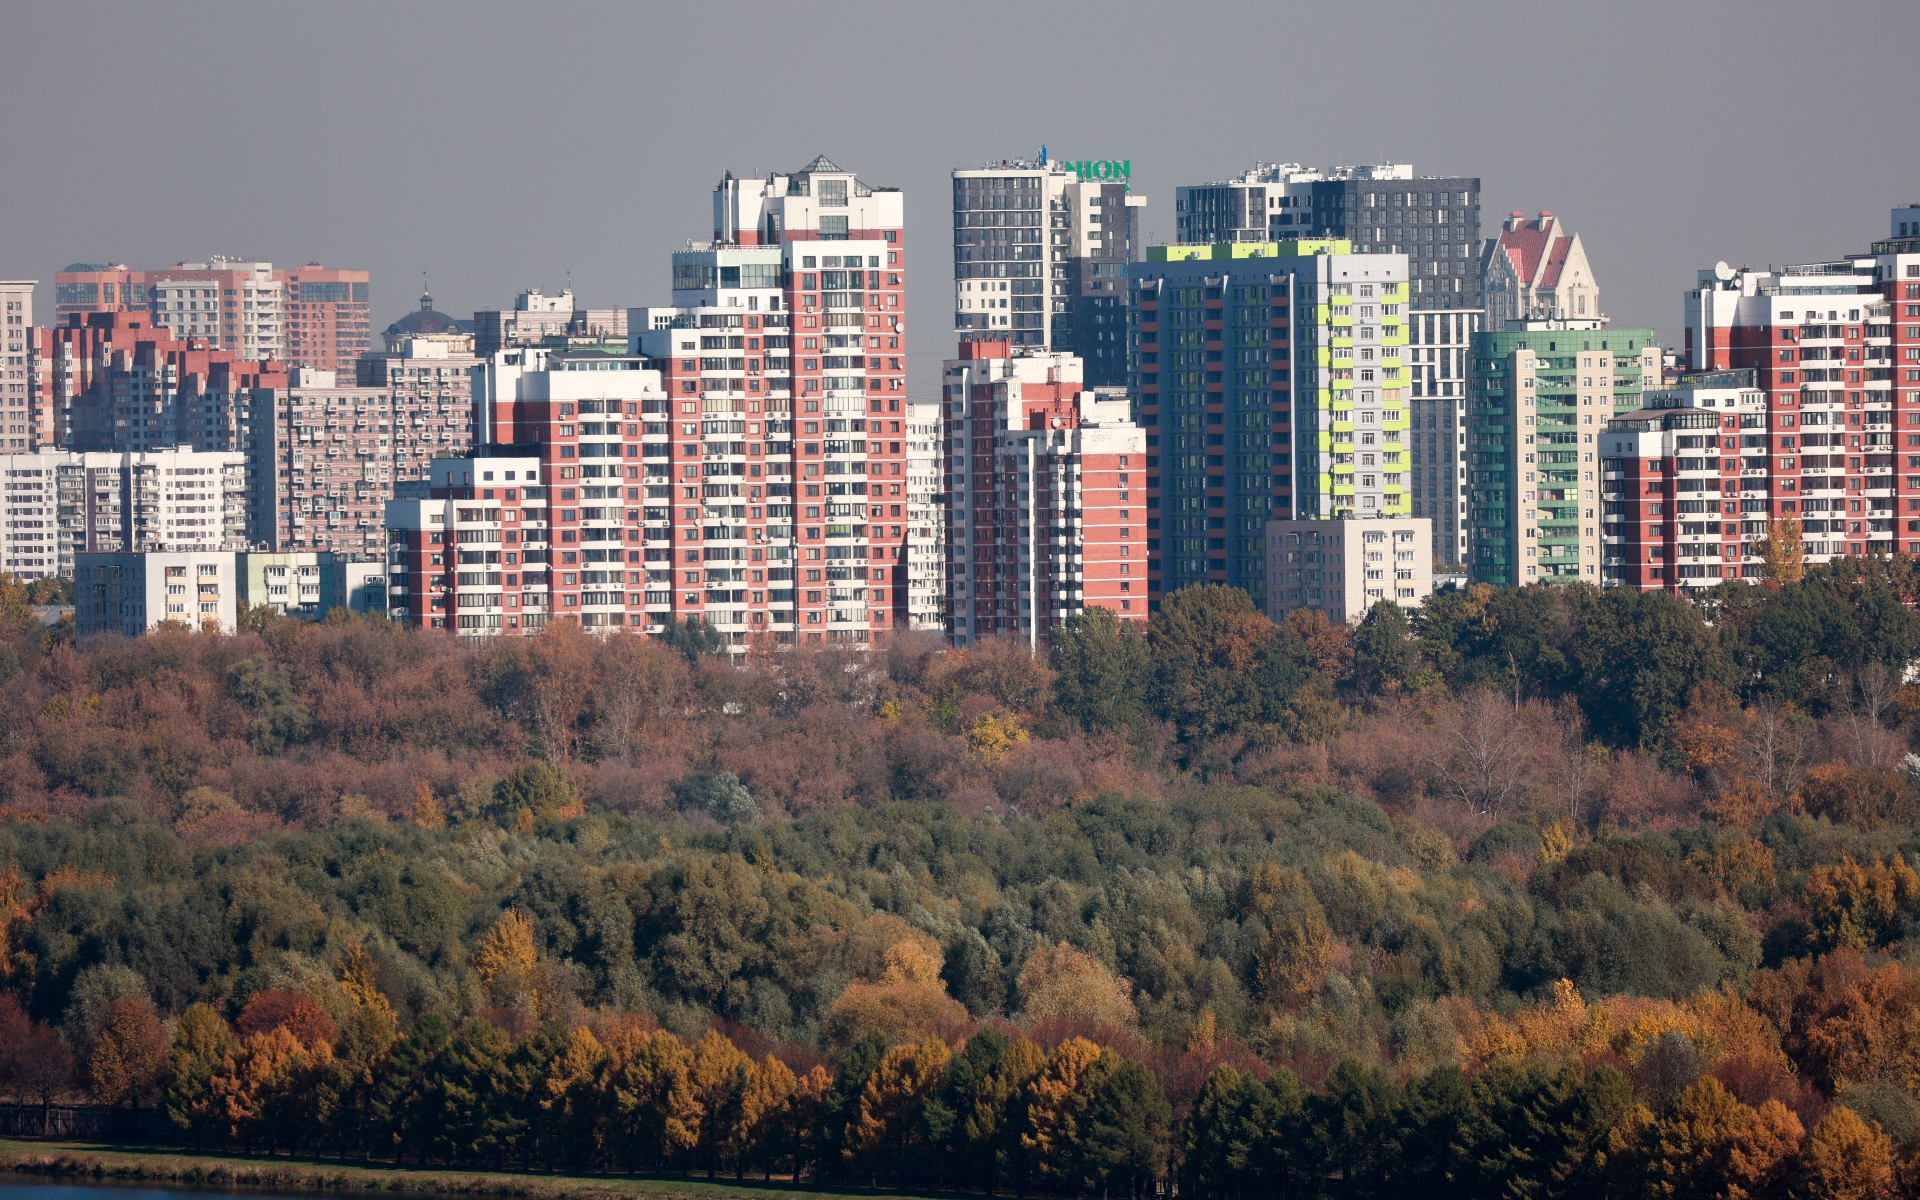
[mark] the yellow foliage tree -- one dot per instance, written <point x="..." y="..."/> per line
<point x="721" y="1078"/>
<point x="1846" y="1159"/>
<point x="1852" y="905"/>
<point x="994" y="734"/>
<point x="508" y="962"/>
<point x="1782" y="553"/>
<point x="563" y="1095"/>
<point x="905" y="1012"/>
<point x="1298" y="948"/>
<point x="651" y="1097"/>
<point x="426" y="809"/>
<point x="911" y="962"/>
<point x="1556" y="842"/>
<point x="1061" y="983"/>
<point x="1056" y="1101"/>
<point x="128" y="1054"/>
<point x="262" y="1087"/>
<point x="886" y="1122"/>
<point x="764" y="1112"/>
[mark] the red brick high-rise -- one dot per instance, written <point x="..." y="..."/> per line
<point x="1046" y="495"/>
<point x="744" y="467"/>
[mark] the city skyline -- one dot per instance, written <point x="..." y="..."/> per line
<point x="396" y="196"/>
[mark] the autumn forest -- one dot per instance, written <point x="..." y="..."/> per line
<point x="1532" y="893"/>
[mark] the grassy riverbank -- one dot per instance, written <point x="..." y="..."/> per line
<point x="87" y="1161"/>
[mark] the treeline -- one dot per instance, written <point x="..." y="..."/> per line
<point x="1610" y="847"/>
<point x="1562" y="1100"/>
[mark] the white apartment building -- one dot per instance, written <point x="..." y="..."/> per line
<point x="56" y="504"/>
<point x="17" y="352"/>
<point x="131" y="593"/>
<point x="926" y="510"/>
<point x="1342" y="568"/>
<point x="1439" y="356"/>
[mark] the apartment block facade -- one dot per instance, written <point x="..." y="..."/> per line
<point x="1046" y="503"/>
<point x="1385" y="209"/>
<point x="1682" y="509"/>
<point x="1834" y="350"/>
<point x="1040" y="254"/>
<point x="1439" y="346"/>
<point x="926" y="518"/>
<point x="19" y="366"/>
<point x="326" y="458"/>
<point x="120" y="384"/>
<point x="744" y="468"/>
<point x="130" y="593"/>
<point x="1342" y="568"/>
<point x="1271" y="383"/>
<point x="1542" y="393"/>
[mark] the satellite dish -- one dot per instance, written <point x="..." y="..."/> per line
<point x="1722" y="271"/>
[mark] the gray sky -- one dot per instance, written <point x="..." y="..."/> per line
<point x="496" y="146"/>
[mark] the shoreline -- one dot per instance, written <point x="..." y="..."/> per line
<point x="93" y="1162"/>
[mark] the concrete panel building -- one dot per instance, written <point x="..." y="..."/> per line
<point x="131" y="593"/>
<point x="1342" y="568"/>
<point x="19" y="350"/>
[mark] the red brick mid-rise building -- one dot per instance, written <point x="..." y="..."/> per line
<point x="1046" y="486"/>
<point x="1690" y="485"/>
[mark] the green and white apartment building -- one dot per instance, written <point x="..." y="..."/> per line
<point x="1269" y="379"/>
<point x="1541" y="392"/>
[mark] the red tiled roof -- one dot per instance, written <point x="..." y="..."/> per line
<point x="1556" y="261"/>
<point x="1524" y="246"/>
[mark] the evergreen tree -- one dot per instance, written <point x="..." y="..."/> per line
<point x="1103" y="669"/>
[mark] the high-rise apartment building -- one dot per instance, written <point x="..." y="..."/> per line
<point x="1047" y="499"/>
<point x="118" y="383"/>
<point x="745" y="468"/>
<point x="1342" y="568"/>
<point x="1542" y="393"/>
<point x="56" y="504"/>
<point x="327" y="317"/>
<point x="310" y="316"/>
<point x="1439" y="347"/>
<point x="1834" y="350"/>
<point x="1434" y="222"/>
<point x="1537" y="271"/>
<point x="1040" y="254"/>
<point x="1271" y="384"/>
<point x="926" y="518"/>
<point x="19" y="366"/>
